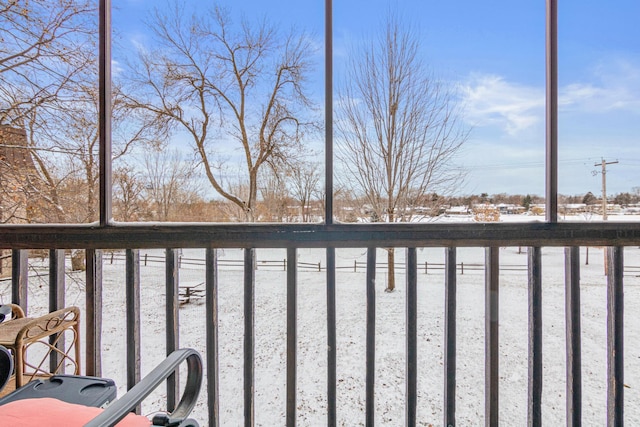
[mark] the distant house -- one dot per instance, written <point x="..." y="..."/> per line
<point x="510" y="209"/>
<point x="20" y="183"/>
<point x="457" y="210"/>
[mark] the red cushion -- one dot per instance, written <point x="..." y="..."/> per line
<point x="56" y="413"/>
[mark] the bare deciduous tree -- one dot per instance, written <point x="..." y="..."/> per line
<point x="304" y="180"/>
<point x="128" y="194"/>
<point x="40" y="42"/>
<point x="41" y="52"/>
<point x="237" y="93"/>
<point x="399" y="127"/>
<point x="274" y="196"/>
<point x="63" y="139"/>
<point x="169" y="182"/>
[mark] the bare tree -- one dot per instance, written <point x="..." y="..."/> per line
<point x="62" y="138"/>
<point x="274" y="196"/>
<point x="169" y="182"/>
<point x="224" y="87"/>
<point x="40" y="42"/>
<point x="304" y="180"/>
<point x="399" y="127"/>
<point x="128" y="194"/>
<point x="42" y="51"/>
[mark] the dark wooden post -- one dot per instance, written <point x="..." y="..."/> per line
<point x="172" y="281"/>
<point x="20" y="278"/>
<point x="249" y="335"/>
<point x="615" y="337"/>
<point x="56" y="301"/>
<point x="94" y="312"/>
<point x="331" y="338"/>
<point x="211" y="300"/>
<point x="535" y="337"/>
<point x="574" y="361"/>
<point x="133" y="318"/>
<point x="450" y="338"/>
<point x="492" y="297"/>
<point x="371" y="338"/>
<point x="412" y="337"/>
<point x="292" y="334"/>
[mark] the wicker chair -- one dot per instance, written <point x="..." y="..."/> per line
<point x="56" y="336"/>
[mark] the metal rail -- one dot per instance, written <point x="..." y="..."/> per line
<point x="615" y="333"/>
<point x="139" y="236"/>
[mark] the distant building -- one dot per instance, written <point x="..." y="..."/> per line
<point x="20" y="183"/>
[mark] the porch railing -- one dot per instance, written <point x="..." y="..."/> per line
<point x="534" y="236"/>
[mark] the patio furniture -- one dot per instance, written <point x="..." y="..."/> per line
<point x="64" y="403"/>
<point x="6" y="366"/>
<point x="52" y="341"/>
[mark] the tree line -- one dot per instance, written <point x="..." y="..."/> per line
<point x="214" y="119"/>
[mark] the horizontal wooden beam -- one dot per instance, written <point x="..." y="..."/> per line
<point x="159" y="235"/>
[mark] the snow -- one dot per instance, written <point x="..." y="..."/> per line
<point x="270" y="336"/>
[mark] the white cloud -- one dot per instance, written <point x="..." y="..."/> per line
<point x="491" y="100"/>
<point x="615" y="86"/>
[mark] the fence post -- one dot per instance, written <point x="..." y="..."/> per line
<point x="319" y="267"/>
<point x="355" y="266"/>
<point x="145" y="260"/>
<point x="426" y="268"/>
<point x="284" y="264"/>
<point x="461" y="268"/>
<point x="111" y="258"/>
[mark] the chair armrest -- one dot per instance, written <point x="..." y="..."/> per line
<point x="121" y="407"/>
<point x="51" y="323"/>
<point x="16" y="311"/>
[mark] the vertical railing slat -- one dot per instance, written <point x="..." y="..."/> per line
<point x="412" y="337"/>
<point x="331" y="338"/>
<point x="133" y="318"/>
<point x="20" y="278"/>
<point x="213" y="367"/>
<point x="492" y="271"/>
<point x="572" y="314"/>
<point x="615" y="336"/>
<point x="56" y="301"/>
<point x="371" y="337"/>
<point x="93" y="347"/>
<point x="56" y="279"/>
<point x="535" y="337"/>
<point x="172" y="281"/>
<point x="249" y="335"/>
<point x="450" y="338"/>
<point x="292" y="336"/>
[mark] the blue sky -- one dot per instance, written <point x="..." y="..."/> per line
<point x="493" y="52"/>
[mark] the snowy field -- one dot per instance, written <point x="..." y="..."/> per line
<point x="270" y="338"/>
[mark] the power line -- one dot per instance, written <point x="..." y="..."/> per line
<point x="524" y="165"/>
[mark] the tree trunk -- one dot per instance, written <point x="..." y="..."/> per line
<point x="391" y="252"/>
<point x="78" y="261"/>
<point x="391" y="274"/>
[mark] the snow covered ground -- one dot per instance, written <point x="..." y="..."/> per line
<point x="270" y="339"/>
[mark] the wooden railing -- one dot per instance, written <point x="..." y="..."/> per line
<point x="533" y="236"/>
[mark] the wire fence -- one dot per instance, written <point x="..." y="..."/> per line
<point x="115" y="257"/>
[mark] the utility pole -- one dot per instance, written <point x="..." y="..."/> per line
<point x="604" y="164"/>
